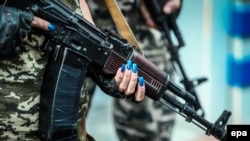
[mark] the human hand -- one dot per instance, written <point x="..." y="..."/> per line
<point x="169" y="7"/>
<point x="15" y="26"/>
<point x="128" y="82"/>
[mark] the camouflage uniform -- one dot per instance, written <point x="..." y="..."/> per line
<point x="149" y="120"/>
<point x="20" y="85"/>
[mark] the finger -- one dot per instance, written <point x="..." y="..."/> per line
<point x="42" y="24"/>
<point x="171" y="6"/>
<point x="140" y="92"/>
<point x="126" y="78"/>
<point x="119" y="74"/>
<point x="133" y="81"/>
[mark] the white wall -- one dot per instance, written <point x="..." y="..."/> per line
<point x="203" y="28"/>
<point x="203" y="25"/>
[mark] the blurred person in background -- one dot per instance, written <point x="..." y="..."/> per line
<point x="149" y="120"/>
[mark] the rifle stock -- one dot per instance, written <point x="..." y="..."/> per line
<point x="86" y="43"/>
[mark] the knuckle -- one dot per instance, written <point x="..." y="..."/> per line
<point x="127" y="75"/>
<point x="129" y="91"/>
<point x="122" y="88"/>
<point x="134" y="79"/>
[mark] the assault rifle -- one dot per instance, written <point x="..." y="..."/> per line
<point x="168" y="25"/>
<point x="73" y="46"/>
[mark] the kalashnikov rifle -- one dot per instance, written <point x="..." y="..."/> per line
<point x="75" y="44"/>
<point x="168" y="25"/>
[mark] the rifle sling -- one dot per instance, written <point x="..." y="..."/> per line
<point x="121" y="23"/>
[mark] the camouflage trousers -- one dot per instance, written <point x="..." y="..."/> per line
<point x="149" y="120"/>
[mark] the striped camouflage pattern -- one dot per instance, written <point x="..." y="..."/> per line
<point x="148" y="120"/>
<point x="20" y="86"/>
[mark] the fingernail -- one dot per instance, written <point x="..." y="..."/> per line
<point x="134" y="68"/>
<point x="123" y="68"/>
<point x="129" y="64"/>
<point x="141" y="81"/>
<point x="51" y="27"/>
